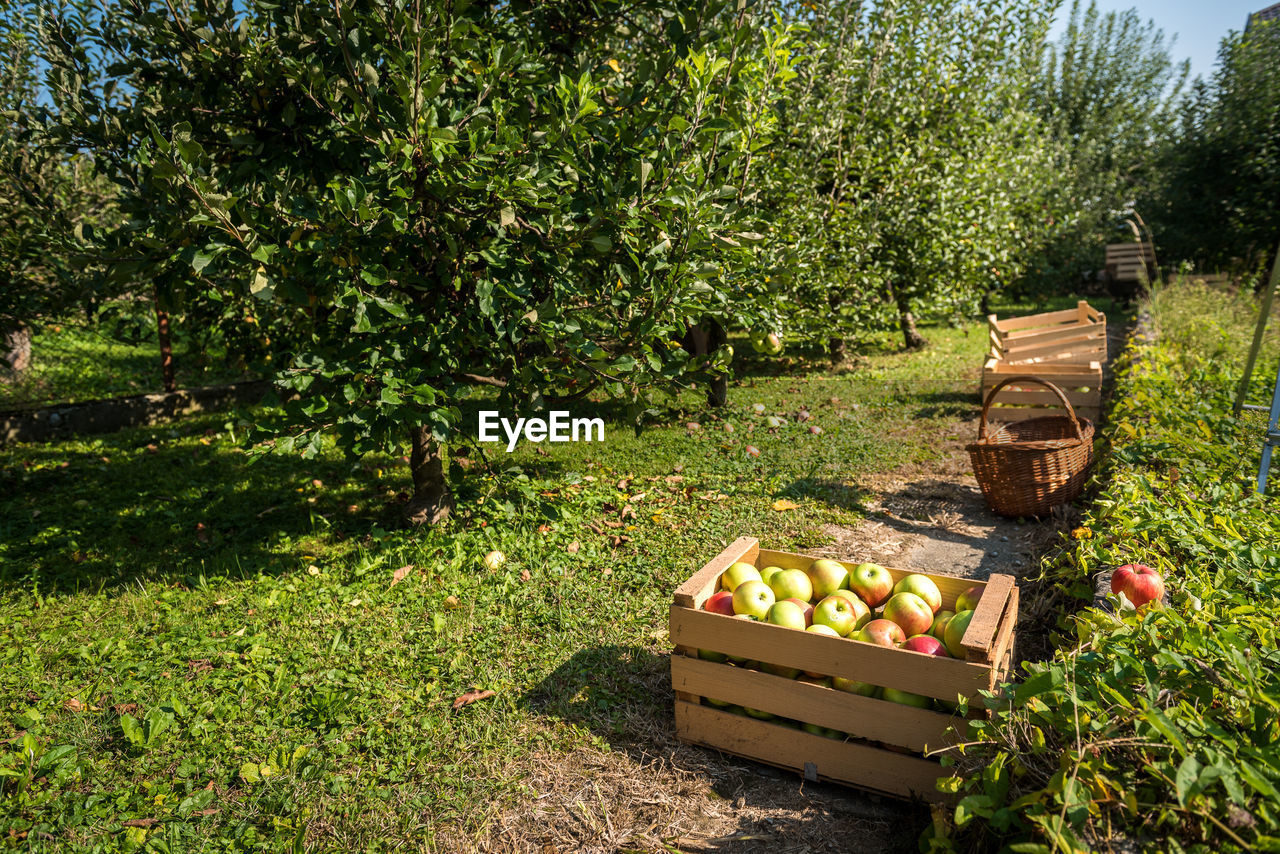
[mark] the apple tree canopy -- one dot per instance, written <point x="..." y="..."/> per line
<point x="541" y="196"/>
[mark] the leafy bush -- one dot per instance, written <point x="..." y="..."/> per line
<point x="1160" y="727"/>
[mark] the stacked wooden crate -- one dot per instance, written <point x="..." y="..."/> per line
<point x="1066" y="348"/>
<point x="869" y="742"/>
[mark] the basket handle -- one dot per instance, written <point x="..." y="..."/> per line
<point x="991" y="396"/>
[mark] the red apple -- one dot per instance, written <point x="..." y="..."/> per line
<point x="859" y="607"/>
<point x="753" y="598"/>
<point x="872" y="582"/>
<point x="1140" y="584"/>
<point x="910" y="612"/>
<point x="738" y="573"/>
<point x="791" y="584"/>
<point x="924" y="587"/>
<point x="827" y="576"/>
<point x="893" y="695"/>
<point x="788" y="615"/>
<point x="927" y="644"/>
<point x="881" y="633"/>
<point x="954" y="633"/>
<point x="720" y="602"/>
<point x="837" y="613"/>
<point x="968" y="600"/>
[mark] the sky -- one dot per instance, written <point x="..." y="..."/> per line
<point x="1198" y="24"/>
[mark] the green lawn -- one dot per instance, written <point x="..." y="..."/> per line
<point x="216" y="649"/>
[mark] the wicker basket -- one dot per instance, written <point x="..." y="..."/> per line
<point x="1029" y="467"/>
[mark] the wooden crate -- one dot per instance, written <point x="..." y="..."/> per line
<point x="884" y="748"/>
<point x="1082" y="385"/>
<point x="1130" y="262"/>
<point x="1077" y="335"/>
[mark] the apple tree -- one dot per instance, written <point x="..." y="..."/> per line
<point x="429" y="196"/>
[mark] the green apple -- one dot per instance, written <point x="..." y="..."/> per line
<point x="709" y="655"/>
<point x="768" y="572"/>
<point x="924" y="587"/>
<point x="753" y="598"/>
<point x="788" y="615"/>
<point x="837" y="613"/>
<point x="893" y="695"/>
<point x="968" y="600"/>
<point x="940" y="621"/>
<point x="820" y="681"/>
<point x="954" y="633"/>
<point x="738" y="573"/>
<point x="791" y="584"/>
<point x="756" y="713"/>
<point x="825" y="732"/>
<point x="818" y="629"/>
<point x="719" y="704"/>
<point x="859" y="607"/>
<point x="827" y="577"/>
<point x="781" y="670"/>
<point x="852" y="686"/>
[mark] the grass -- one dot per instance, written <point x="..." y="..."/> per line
<point x="1155" y="730"/>
<point x="204" y="651"/>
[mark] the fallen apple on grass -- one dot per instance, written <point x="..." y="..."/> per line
<point x="1139" y="583"/>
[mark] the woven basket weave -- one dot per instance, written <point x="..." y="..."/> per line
<point x="1027" y="468"/>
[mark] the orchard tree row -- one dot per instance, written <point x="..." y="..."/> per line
<point x="388" y="205"/>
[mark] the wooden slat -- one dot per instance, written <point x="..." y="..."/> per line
<point x="980" y="636"/>
<point x="949" y="585"/>
<point x="862" y="717"/>
<point x="1046" y="397"/>
<point x="845" y="762"/>
<point x="933" y="676"/>
<point x="1004" y="635"/>
<point x="1030" y="320"/>
<point x="1004" y="369"/>
<point x="703" y="583"/>
<point x="1036" y="338"/>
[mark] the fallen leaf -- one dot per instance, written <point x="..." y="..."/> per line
<point x="399" y="574"/>
<point x="141" y="822"/>
<point x="451" y="602"/>
<point x="573" y="547"/>
<point x="613" y="524"/>
<point x="622" y="484"/>
<point x="74" y="705"/>
<point x="313" y="570"/>
<point x="524" y="575"/>
<point x="692" y="425"/>
<point x="471" y="697"/>
<point x="639" y="496"/>
<point x="675" y="478"/>
<point x="595" y="529"/>
<point x="803" y="415"/>
<point x="783" y="504"/>
<point x="543" y="529"/>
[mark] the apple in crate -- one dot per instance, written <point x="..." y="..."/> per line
<point x="791" y="584"/>
<point x="827" y="576"/>
<point x="720" y="602"/>
<point x="852" y="686"/>
<point x="927" y="644"/>
<point x="835" y="612"/>
<point x="872" y="582"/>
<point x="910" y="612"/>
<point x="756" y="713"/>
<point x="736" y="574"/>
<point x="711" y="655"/>
<point x="924" y="587"/>
<point x="1139" y="583"/>
<point x="821" y="630"/>
<point x="788" y="615"/>
<point x="859" y="607"/>
<point x="968" y="600"/>
<point x="753" y="598"/>
<point x="781" y="670"/>
<point x="820" y="681"/>
<point x="807" y="608"/>
<point x="881" y="633"/>
<point x="906" y="698"/>
<point x="814" y="729"/>
<point x="954" y="633"/>
<point x="768" y="572"/>
<point x="940" y="621"/>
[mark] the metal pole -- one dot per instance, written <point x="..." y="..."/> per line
<point x="1272" y="439"/>
<point x="1258" y="332"/>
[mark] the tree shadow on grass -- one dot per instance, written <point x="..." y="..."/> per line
<point x="715" y="802"/>
<point x="844" y="496"/>
<point x="947" y="404"/>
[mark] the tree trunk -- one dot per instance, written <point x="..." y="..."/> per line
<point x="166" y="345"/>
<point x="704" y="340"/>
<point x="837" y="350"/>
<point x="432" y="502"/>
<point x="911" y="337"/>
<point x="985" y="306"/>
<point x="15" y="350"/>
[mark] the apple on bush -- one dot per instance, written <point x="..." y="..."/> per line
<point x="754" y="599"/>
<point x="872" y="582"/>
<point x="924" y="587"/>
<point x="827" y="576"/>
<point x="738" y="573"/>
<point x="791" y="584"/>
<point x="910" y="612"/>
<point x="1139" y="583"/>
<point x="720" y="602"/>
